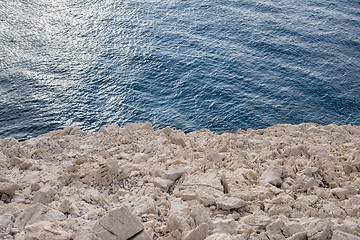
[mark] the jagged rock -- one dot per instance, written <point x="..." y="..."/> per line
<point x="201" y="215"/>
<point x="44" y="230"/>
<point x="174" y="173"/>
<point x="198" y="233"/>
<point x="229" y="203"/>
<point x="6" y="221"/>
<point x="44" y="196"/>
<point x="37" y="212"/>
<point x="339" y="235"/>
<point x="219" y="236"/>
<point x="272" y="175"/>
<point x="187" y="195"/>
<point x="35" y="187"/>
<point x="299" y="236"/>
<point x="340" y="193"/>
<point x="226" y="226"/>
<point x="215" y="157"/>
<point x="8" y="188"/>
<point x="119" y="224"/>
<point x="162" y="183"/>
<point x="321" y="231"/>
<point x="145" y="205"/>
<point x="177" y="139"/>
<point x="204" y="198"/>
<point x="67" y="206"/>
<point x="106" y="173"/>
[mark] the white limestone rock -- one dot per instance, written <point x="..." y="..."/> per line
<point x="44" y="196"/>
<point x="8" y="189"/>
<point x="44" y="230"/>
<point x="340" y="235"/>
<point x="119" y="224"/>
<point x="35" y="213"/>
<point x="230" y="203"/>
<point x="200" y="215"/>
<point x="198" y="233"/>
<point x="204" y="198"/>
<point x="320" y="231"/>
<point x="272" y="175"/>
<point x="219" y="236"/>
<point x="228" y="226"/>
<point x="162" y="183"/>
<point x="174" y="173"/>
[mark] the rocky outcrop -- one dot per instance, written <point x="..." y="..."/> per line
<point x="283" y="182"/>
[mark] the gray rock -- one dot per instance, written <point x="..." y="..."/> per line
<point x="37" y="212"/>
<point x="176" y="139"/>
<point x="44" y="230"/>
<point x="219" y="236"/>
<point x="321" y="231"/>
<point x="44" y="196"/>
<point x="8" y="188"/>
<point x="229" y="203"/>
<point x="204" y="198"/>
<point x="174" y="173"/>
<point x="272" y="175"/>
<point x="198" y="233"/>
<point x="119" y="224"/>
<point x="340" y="235"/>
<point x="162" y="183"/>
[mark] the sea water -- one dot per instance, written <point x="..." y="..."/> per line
<point x="187" y="64"/>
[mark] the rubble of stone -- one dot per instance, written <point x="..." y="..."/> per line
<point x="284" y="182"/>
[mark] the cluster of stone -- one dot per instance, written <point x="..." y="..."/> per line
<point x="284" y="182"/>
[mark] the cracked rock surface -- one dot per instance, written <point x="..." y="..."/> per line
<point x="282" y="182"/>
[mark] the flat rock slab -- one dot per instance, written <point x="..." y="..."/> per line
<point x="340" y="235"/>
<point x="119" y="224"/>
<point x="8" y="188"/>
<point x="272" y="175"/>
<point x="229" y="203"/>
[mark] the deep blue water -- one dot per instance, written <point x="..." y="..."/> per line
<point x="187" y="64"/>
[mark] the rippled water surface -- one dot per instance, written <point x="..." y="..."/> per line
<point x="188" y="64"/>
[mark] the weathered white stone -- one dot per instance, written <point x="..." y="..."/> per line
<point x="44" y="230"/>
<point x="145" y="205"/>
<point x="228" y="225"/>
<point x="44" y="196"/>
<point x="174" y="173"/>
<point x="215" y="157"/>
<point x="8" y="188"/>
<point x="204" y="198"/>
<point x="6" y="221"/>
<point x="219" y="236"/>
<point x="272" y="175"/>
<point x="35" y="187"/>
<point x="67" y="206"/>
<point x="119" y="224"/>
<point x="162" y="183"/>
<point x="321" y="231"/>
<point x="198" y="233"/>
<point x="175" y="138"/>
<point x="187" y="195"/>
<point x="106" y="173"/>
<point x="340" y="193"/>
<point x="340" y="235"/>
<point x="201" y="215"/>
<point x="30" y="215"/>
<point x="299" y="236"/>
<point x="178" y="222"/>
<point x="229" y="203"/>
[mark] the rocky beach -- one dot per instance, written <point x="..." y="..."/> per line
<point x="284" y="182"/>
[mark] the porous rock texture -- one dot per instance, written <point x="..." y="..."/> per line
<point x="284" y="182"/>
